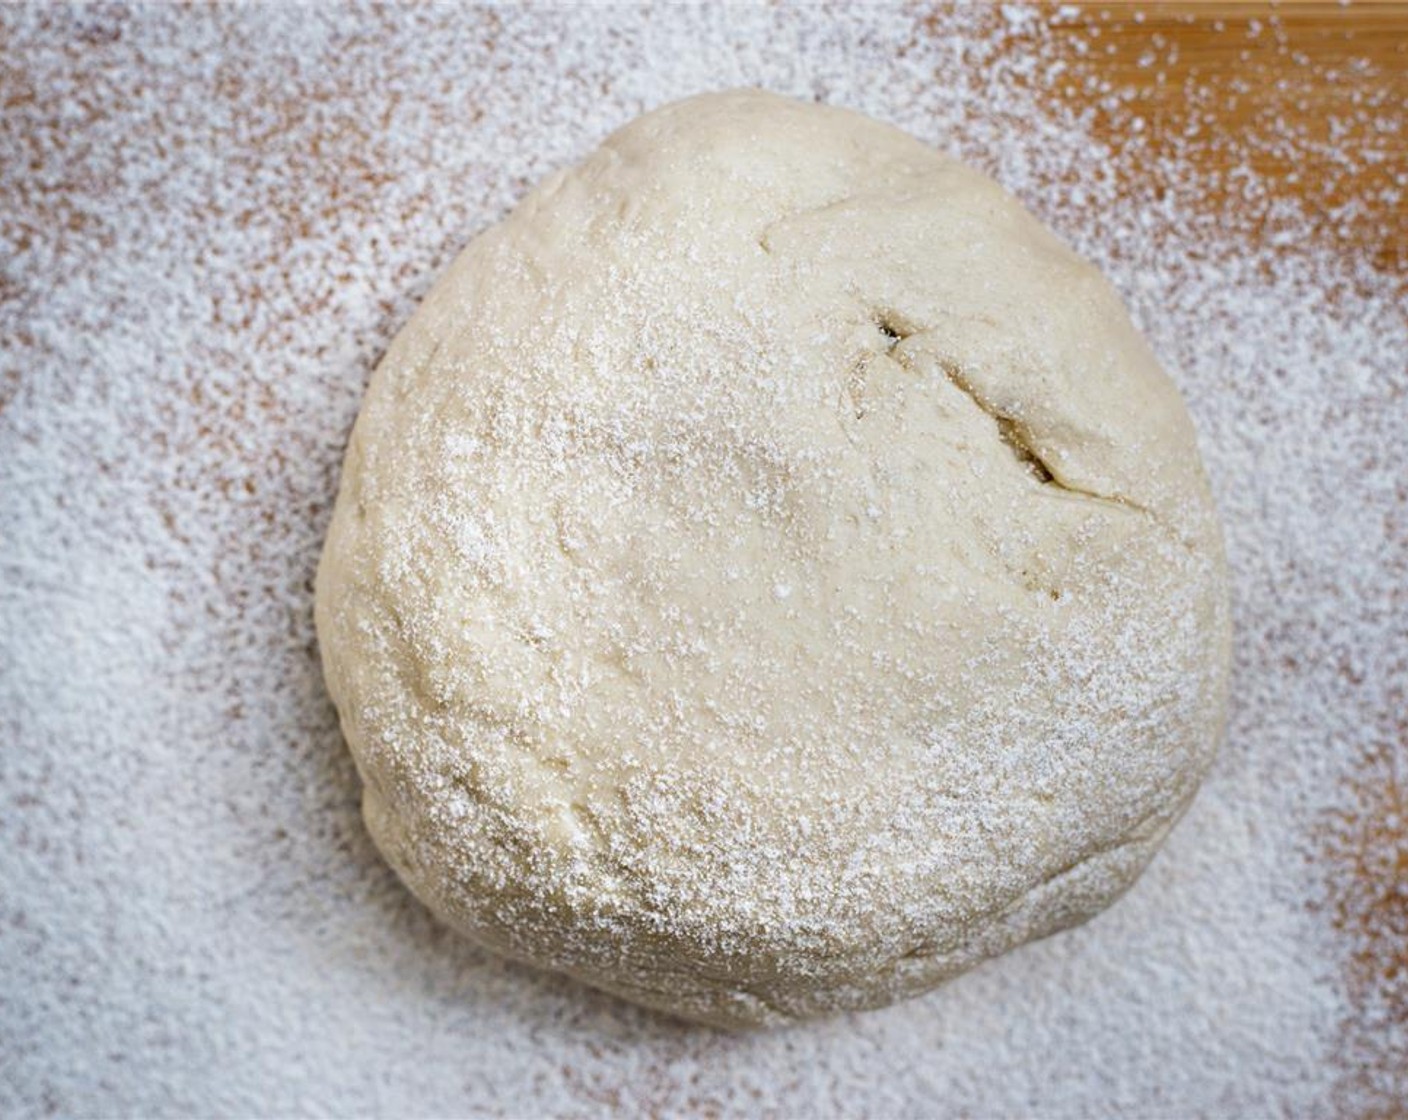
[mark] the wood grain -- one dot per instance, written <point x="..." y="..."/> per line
<point x="1268" y="103"/>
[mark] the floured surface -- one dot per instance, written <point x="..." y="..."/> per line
<point x="210" y="241"/>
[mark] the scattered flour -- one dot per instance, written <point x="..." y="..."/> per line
<point x="214" y="221"/>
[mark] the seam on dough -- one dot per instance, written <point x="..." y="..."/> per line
<point x="1014" y="434"/>
<point x="765" y="235"/>
<point x="1139" y="833"/>
<point x="1010" y="430"/>
<point x="771" y="1008"/>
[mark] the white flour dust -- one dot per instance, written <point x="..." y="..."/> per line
<point x="213" y="223"/>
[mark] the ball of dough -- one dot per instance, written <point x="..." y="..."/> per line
<point x="771" y="574"/>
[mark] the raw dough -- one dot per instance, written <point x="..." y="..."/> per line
<point x="771" y="575"/>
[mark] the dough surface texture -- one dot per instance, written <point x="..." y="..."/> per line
<point x="771" y="574"/>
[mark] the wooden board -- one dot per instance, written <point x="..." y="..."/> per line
<point x="1309" y="96"/>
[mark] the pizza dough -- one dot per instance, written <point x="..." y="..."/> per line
<point x="771" y="575"/>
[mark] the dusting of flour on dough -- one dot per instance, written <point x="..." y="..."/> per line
<point x="214" y="223"/>
<point x="754" y="344"/>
